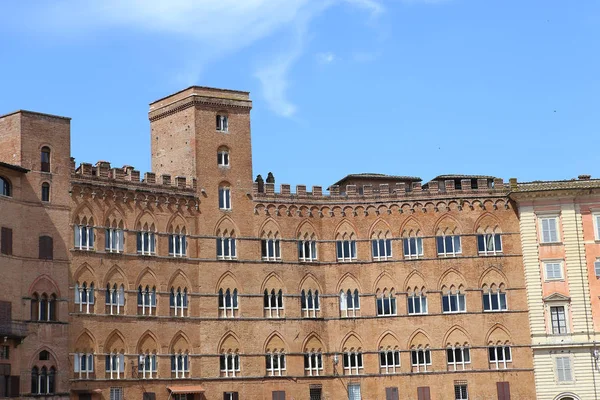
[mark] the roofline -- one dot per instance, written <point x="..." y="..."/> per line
<point x="13" y="167"/>
<point x="200" y="87"/>
<point x="383" y="178"/>
<point x="35" y="113"/>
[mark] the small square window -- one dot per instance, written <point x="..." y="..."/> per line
<point x="553" y="270"/>
<point x="549" y="230"/>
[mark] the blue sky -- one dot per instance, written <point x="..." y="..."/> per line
<point x="509" y="88"/>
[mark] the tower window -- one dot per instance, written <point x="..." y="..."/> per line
<point x="45" y="166"/>
<point x="222" y="123"/>
<point x="224" y="198"/>
<point x="45" y="191"/>
<point x="4" y="187"/>
<point x="223" y="158"/>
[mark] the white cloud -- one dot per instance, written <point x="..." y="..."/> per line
<point x="325" y="58"/>
<point x="217" y="27"/>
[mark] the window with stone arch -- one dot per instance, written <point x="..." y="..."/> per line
<point x="420" y="353"/>
<point x="345" y="238"/>
<point x="43" y="374"/>
<point x="489" y="238"/>
<point x="180" y="357"/>
<point x="224" y="196"/>
<point x="458" y="350"/>
<point x="44" y="307"/>
<point x="229" y="359"/>
<point x="115" y="299"/>
<point x="84" y="357"/>
<point x="270" y="246"/>
<point x="313" y="356"/>
<point x="448" y="239"/>
<point x="85" y="296"/>
<point x="307" y="242"/>
<point x="349" y="303"/>
<point x="114" y="360"/>
<point x="273" y="303"/>
<point x="228" y="303"/>
<point x="499" y="348"/>
<point x="146" y="238"/>
<point x="178" y="301"/>
<point x="454" y="299"/>
<point x="275" y="359"/>
<point x="5" y="187"/>
<point x="148" y="357"/>
<point x="45" y="159"/>
<point x="84" y="233"/>
<point x="412" y="242"/>
<point x="114" y="235"/>
<point x="146" y="300"/>
<point x="417" y="300"/>
<point x="222" y="122"/>
<point x="226" y="243"/>
<point x="352" y="354"/>
<point x="389" y="354"/>
<point x="381" y="244"/>
<point x="386" y="302"/>
<point x="223" y="157"/>
<point x="494" y="297"/>
<point x="177" y="239"/>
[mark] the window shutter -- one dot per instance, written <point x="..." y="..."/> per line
<point x="503" y="390"/>
<point x="597" y="268"/>
<point x="279" y="395"/>
<point x="15" y="386"/>
<point x="5" y="311"/>
<point x="6" y="244"/>
<point x="391" y="393"/>
<point x="76" y="363"/>
<point x="423" y="393"/>
<point x="91" y="362"/>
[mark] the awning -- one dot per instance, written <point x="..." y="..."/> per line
<point x="186" y="389"/>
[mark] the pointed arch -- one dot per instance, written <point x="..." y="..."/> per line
<point x="269" y="228"/>
<point x="486" y="221"/>
<point x="145" y="219"/>
<point x="456" y="335"/>
<point x="115" y="343"/>
<point x="493" y="275"/>
<point x="148" y="343"/>
<point x="83" y="210"/>
<point x="113" y="216"/>
<point x="272" y="281"/>
<point x="225" y="226"/>
<point x="179" y="279"/>
<point x="384" y="281"/>
<point x="418" y="339"/>
<point x="388" y="341"/>
<point x="115" y="275"/>
<point x="84" y="273"/>
<point x="44" y="284"/>
<point x="450" y="277"/>
<point x="348" y="281"/>
<point x="313" y="344"/>
<point x="345" y="230"/>
<point x="146" y="277"/>
<point x="275" y="343"/>
<point x="411" y="227"/>
<point x="415" y="280"/>
<point x="447" y="224"/>
<point x="306" y="228"/>
<point x="351" y="342"/>
<point x="380" y="229"/>
<point x="180" y="343"/>
<point x="497" y="334"/>
<point x="229" y="343"/>
<point x="85" y="343"/>
<point x="309" y="281"/>
<point x="228" y="280"/>
<point x="53" y="358"/>
<point x="177" y="224"/>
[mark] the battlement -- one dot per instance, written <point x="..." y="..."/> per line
<point x="383" y="191"/>
<point x="102" y="171"/>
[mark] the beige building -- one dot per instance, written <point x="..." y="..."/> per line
<point x="560" y="234"/>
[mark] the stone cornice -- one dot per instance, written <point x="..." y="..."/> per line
<point x="194" y="100"/>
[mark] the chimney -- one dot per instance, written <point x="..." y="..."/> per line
<point x="584" y="177"/>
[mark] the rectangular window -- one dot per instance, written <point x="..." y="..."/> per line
<point x="413" y="247"/>
<point x="222" y="123"/>
<point x="180" y="365"/>
<point x="307" y="250"/>
<point x="382" y="249"/>
<point x="146" y="243"/>
<point x="389" y="361"/>
<point x="270" y="249"/>
<point x="114" y="240"/>
<point x="228" y="303"/>
<point x="563" y="369"/>
<point x="423" y="393"/>
<point x="147" y="366"/>
<point x="553" y="270"/>
<point x="225" y="198"/>
<point x="417" y="304"/>
<point x="278" y="395"/>
<point x="386" y="305"/>
<point x="597" y="268"/>
<point x="499" y="356"/>
<point x="315" y="392"/>
<point x="6" y="241"/>
<point x="177" y="245"/>
<point x="597" y="226"/>
<point x="84" y="237"/>
<point x="454" y="303"/>
<point x="391" y="393"/>
<point x="223" y="158"/>
<point x="494" y="301"/>
<point x="349" y="304"/>
<point x="273" y="304"/>
<point x="114" y="365"/>
<point x="354" y="391"/>
<point x="46" y="247"/>
<point x="4" y="352"/>
<point x="420" y="360"/>
<point x="226" y="248"/>
<point x="458" y="358"/>
<point x="489" y="244"/>
<point x="346" y="250"/>
<point x="310" y="303"/>
<point x="503" y="389"/>
<point x="549" y="228"/>
<point x="116" y="393"/>
<point x="275" y="364"/>
<point x="460" y="392"/>
<point x="229" y="365"/>
<point x="559" y="322"/>
<point x="83" y="364"/>
<point x="448" y="246"/>
<point x="231" y="396"/>
<point x="353" y="363"/>
<point x="313" y="364"/>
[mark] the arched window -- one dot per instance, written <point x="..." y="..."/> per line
<point x="381" y="244"/>
<point x="224" y="197"/>
<point x="310" y="303"/>
<point x="270" y="247"/>
<point x="458" y="357"/>
<point x="114" y="238"/>
<point x="178" y="243"/>
<point x="454" y="301"/>
<point x="115" y="299"/>
<point x="45" y="159"/>
<point x="222" y="122"/>
<point x="229" y="364"/>
<point x="84" y="296"/>
<point x="180" y="365"/>
<point x="417" y="302"/>
<point x="228" y="303"/>
<point x="35" y="380"/>
<point x="226" y="249"/>
<point x="389" y="361"/>
<point x="5" y="188"/>
<point x="178" y="302"/>
<point x="223" y="157"/>
<point x="35" y="304"/>
<point x="147" y="366"/>
<point x="420" y="358"/>
<point x="386" y="303"/>
<point x="346" y="248"/>
<point x="146" y="300"/>
<point x="307" y="248"/>
<point x="494" y="298"/>
<point x="45" y="191"/>
<point x="275" y="364"/>
<point x="413" y="245"/>
<point x="146" y="240"/>
<point x="349" y="303"/>
<point x="273" y="303"/>
<point x="83" y="234"/>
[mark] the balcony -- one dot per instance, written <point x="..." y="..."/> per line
<point x="13" y="329"/>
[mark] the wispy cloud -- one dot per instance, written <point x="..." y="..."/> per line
<point x="325" y="58"/>
<point x="218" y="27"/>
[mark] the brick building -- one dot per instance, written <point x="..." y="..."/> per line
<point x="560" y="235"/>
<point x="196" y="282"/>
